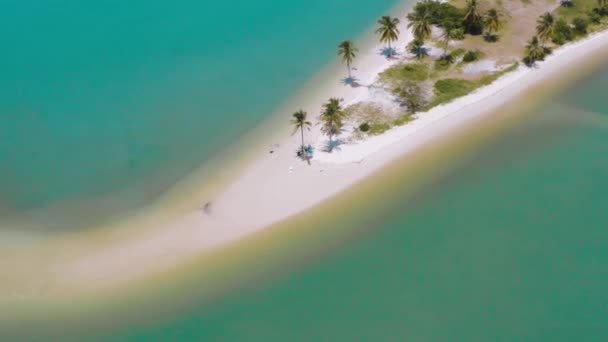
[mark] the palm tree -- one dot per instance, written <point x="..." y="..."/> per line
<point x="299" y="122"/>
<point x="472" y="18"/>
<point x="420" y="23"/>
<point x="492" y="21"/>
<point x="388" y="30"/>
<point x="534" y="51"/>
<point x="348" y="52"/>
<point x="417" y="49"/>
<point x="448" y="34"/>
<point x="332" y="119"/>
<point x="545" y="27"/>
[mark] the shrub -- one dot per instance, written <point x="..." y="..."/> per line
<point x="566" y="3"/>
<point x="458" y="33"/>
<point x="458" y="52"/>
<point x="595" y="18"/>
<point x="562" y="32"/>
<point x="580" y="25"/>
<point x="490" y="37"/>
<point x="411" y="95"/>
<point x="444" y="62"/>
<point x="470" y="56"/>
<point x="364" y="127"/>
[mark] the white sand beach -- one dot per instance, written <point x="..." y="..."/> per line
<point x="278" y="185"/>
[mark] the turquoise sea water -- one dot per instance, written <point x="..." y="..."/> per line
<point x="119" y="100"/>
<point x="512" y="245"/>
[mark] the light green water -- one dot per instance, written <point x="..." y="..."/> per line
<point x="510" y="246"/>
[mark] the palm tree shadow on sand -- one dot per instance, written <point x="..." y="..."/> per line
<point x="351" y="81"/>
<point x="332" y="145"/>
<point x="389" y="52"/>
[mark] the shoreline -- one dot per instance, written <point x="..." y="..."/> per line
<point x="266" y="192"/>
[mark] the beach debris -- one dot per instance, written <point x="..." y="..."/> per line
<point x="290" y="169"/>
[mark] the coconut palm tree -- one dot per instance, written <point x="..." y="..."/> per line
<point x="388" y="30"/>
<point x="473" y="21"/>
<point x="448" y="33"/>
<point x="545" y="27"/>
<point x="416" y="48"/>
<point x="492" y="23"/>
<point x="534" y="51"/>
<point x="299" y="122"/>
<point x="420" y="23"/>
<point x="332" y="116"/>
<point x="348" y="52"/>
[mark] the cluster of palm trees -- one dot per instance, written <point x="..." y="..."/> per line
<point x="388" y="32"/>
<point x="331" y="117"/>
<point x="536" y="49"/>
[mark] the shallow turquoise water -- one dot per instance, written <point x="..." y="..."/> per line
<point x="102" y="97"/>
<point x="511" y="246"/>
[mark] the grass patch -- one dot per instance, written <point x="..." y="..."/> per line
<point x="448" y="89"/>
<point x="580" y="8"/>
<point x="378" y="128"/>
<point x="405" y="72"/>
<point x="403" y="119"/>
<point x="458" y="52"/>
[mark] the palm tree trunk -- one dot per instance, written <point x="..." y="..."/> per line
<point x="302" y="130"/>
<point x="348" y="65"/>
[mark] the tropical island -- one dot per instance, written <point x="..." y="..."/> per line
<point x="436" y="72"/>
<point x="456" y="47"/>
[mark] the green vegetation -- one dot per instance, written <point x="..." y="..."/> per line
<point x="580" y="25"/>
<point x="364" y="127"/>
<point x="535" y="52"/>
<point x="458" y="52"/>
<point x="372" y="117"/>
<point x="405" y="72"/>
<point x="471" y="56"/>
<point x="348" y="52"/>
<point x="562" y="32"/>
<point x="473" y="21"/>
<point x="379" y="128"/>
<point x="332" y="117"/>
<point x="492" y="24"/>
<point x="410" y="94"/>
<point x="426" y="83"/>
<point x="403" y="119"/>
<point x="443" y="63"/>
<point x="448" y="89"/>
<point x="583" y="8"/>
<point x="545" y="27"/>
<point x="388" y="31"/>
<point x="416" y="48"/>
<point x="420" y="23"/>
